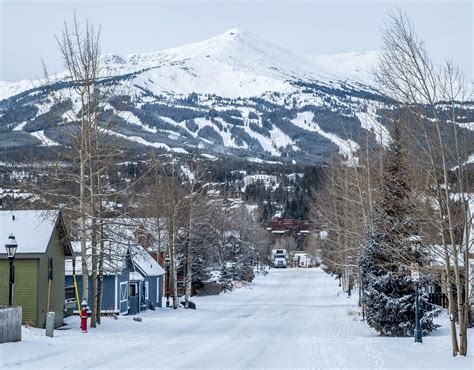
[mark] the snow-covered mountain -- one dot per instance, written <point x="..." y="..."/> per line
<point x="234" y="94"/>
<point x="234" y="64"/>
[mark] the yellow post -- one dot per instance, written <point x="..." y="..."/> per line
<point x="77" y="294"/>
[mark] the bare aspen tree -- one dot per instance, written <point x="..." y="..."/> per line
<point x="80" y="50"/>
<point x="407" y="74"/>
<point x="173" y="205"/>
<point x="78" y="179"/>
<point x="193" y="199"/>
<point x="343" y="209"/>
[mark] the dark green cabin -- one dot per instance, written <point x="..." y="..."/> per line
<point x="43" y="246"/>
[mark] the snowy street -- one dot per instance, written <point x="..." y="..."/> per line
<point x="291" y="318"/>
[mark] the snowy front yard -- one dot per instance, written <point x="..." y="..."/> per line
<point x="287" y="319"/>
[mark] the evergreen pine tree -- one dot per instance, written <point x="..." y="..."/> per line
<point x="226" y="279"/>
<point x="389" y="293"/>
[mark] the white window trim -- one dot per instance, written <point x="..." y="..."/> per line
<point x="146" y="290"/>
<point x="122" y="299"/>
<point x="116" y="303"/>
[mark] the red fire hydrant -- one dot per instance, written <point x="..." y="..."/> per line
<point x="84" y="310"/>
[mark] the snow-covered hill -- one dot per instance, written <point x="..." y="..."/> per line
<point x="351" y="66"/>
<point x="234" y="94"/>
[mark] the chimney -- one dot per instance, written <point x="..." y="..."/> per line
<point x="13" y="217"/>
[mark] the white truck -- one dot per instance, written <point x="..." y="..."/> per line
<point x="280" y="258"/>
<point x="301" y="259"/>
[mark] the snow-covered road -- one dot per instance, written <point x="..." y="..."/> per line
<point x="287" y="319"/>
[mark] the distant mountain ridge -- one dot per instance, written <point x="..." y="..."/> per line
<point x="234" y="94"/>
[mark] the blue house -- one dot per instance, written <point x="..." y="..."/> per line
<point x="145" y="283"/>
<point x="133" y="280"/>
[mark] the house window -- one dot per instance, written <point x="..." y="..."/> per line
<point x="146" y="289"/>
<point x="69" y="292"/>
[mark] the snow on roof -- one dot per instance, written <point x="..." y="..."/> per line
<point x="115" y="260"/>
<point x="147" y="265"/>
<point x="113" y="263"/>
<point x="32" y="229"/>
<point x="122" y="239"/>
<point x="126" y="230"/>
<point x="135" y="276"/>
<point x="299" y="253"/>
<point x="111" y="267"/>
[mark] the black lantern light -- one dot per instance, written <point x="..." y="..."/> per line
<point x="11" y="246"/>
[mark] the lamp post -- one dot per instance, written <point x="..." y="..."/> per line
<point x="418" y="333"/>
<point x="349" y="292"/>
<point x="167" y="265"/>
<point x="11" y="245"/>
<point x="417" y="246"/>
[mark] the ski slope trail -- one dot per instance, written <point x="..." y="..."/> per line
<point x="291" y="318"/>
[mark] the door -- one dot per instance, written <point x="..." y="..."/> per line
<point x="133" y="298"/>
<point x="123" y="304"/>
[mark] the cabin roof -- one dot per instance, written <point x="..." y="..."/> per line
<point x="147" y="265"/>
<point x="32" y="229"/>
<point x="115" y="260"/>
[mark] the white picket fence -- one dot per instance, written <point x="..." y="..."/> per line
<point x="10" y="324"/>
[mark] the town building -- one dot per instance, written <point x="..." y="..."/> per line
<point x="43" y="247"/>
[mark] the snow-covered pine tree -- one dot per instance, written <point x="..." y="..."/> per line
<point x="226" y="279"/>
<point x="389" y="295"/>
<point x="386" y="252"/>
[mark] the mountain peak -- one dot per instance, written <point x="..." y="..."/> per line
<point x="249" y="65"/>
<point x="235" y="36"/>
<point x="239" y="33"/>
<point x="235" y="32"/>
<point x="233" y="63"/>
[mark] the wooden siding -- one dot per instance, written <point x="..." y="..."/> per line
<point x="152" y="299"/>
<point x="108" y="298"/>
<point x="55" y="251"/>
<point x="110" y="293"/>
<point x="24" y="291"/>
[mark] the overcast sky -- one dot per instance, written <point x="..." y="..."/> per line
<point x="309" y="27"/>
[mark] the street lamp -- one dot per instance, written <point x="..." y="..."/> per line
<point x="418" y="333"/>
<point x="11" y="245"/>
<point x="167" y="265"/>
<point x="417" y="246"/>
